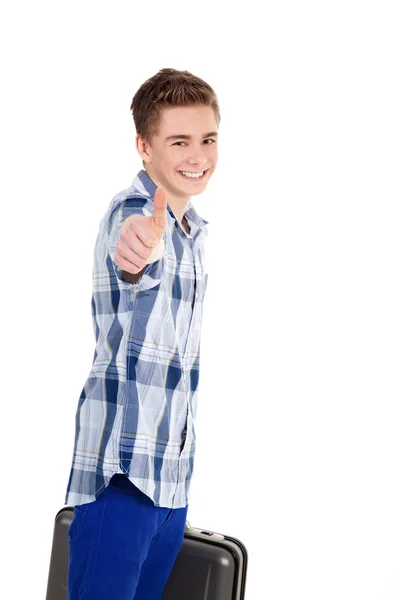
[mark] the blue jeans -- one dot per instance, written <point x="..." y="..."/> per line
<point x="122" y="546"/>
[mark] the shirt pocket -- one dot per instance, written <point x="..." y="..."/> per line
<point x="201" y="284"/>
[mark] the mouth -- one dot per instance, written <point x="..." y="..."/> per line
<point x="191" y="176"/>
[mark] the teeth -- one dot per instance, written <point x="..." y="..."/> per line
<point x="195" y="175"/>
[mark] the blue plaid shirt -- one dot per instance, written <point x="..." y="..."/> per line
<point x="137" y="408"/>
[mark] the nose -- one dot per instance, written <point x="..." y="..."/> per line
<point x="196" y="156"/>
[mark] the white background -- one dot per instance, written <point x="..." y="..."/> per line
<point x="298" y="420"/>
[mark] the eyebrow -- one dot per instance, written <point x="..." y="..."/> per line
<point x="188" y="137"/>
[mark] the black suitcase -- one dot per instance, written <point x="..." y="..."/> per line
<point x="209" y="566"/>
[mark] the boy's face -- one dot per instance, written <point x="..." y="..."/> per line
<point x="193" y="150"/>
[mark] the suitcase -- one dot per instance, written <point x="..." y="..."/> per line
<point x="209" y="566"/>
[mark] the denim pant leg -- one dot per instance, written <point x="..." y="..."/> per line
<point x="109" y="543"/>
<point x="161" y="556"/>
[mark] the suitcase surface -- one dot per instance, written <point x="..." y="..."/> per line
<point x="209" y="566"/>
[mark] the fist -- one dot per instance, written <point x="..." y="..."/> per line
<point x="141" y="238"/>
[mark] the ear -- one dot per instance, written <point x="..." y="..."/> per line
<point x="143" y="148"/>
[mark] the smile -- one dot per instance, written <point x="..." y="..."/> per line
<point x="196" y="176"/>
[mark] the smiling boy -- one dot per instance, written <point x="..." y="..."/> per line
<point x="135" y="438"/>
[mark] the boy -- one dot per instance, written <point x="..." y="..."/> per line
<point x="135" y="439"/>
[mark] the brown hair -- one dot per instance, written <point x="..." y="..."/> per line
<point x="167" y="88"/>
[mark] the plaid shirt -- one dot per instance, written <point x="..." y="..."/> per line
<point x="137" y="408"/>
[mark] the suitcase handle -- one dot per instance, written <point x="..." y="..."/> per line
<point x="196" y="532"/>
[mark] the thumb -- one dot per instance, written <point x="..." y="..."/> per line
<point x="159" y="218"/>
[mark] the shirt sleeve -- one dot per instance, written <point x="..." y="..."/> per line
<point x="154" y="271"/>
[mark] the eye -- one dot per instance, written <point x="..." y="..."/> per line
<point x="208" y="140"/>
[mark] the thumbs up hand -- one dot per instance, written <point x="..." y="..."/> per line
<point x="141" y="238"/>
